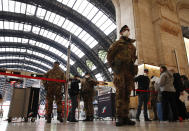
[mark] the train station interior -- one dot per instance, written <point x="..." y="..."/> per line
<point x="35" y="34"/>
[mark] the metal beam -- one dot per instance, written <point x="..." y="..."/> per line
<point x="30" y="35"/>
<point x="91" y="55"/>
<point x="106" y="6"/>
<point x="32" y="56"/>
<point x="24" y="62"/>
<point x="33" y="48"/>
<point x="75" y="17"/>
<point x="22" y="67"/>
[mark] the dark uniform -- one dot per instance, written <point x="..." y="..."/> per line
<point x="121" y="57"/>
<point x="143" y="97"/>
<point x="73" y="93"/>
<point x="54" y="91"/>
<point x="87" y="93"/>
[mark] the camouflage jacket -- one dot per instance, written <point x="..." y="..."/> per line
<point x="87" y="85"/>
<point x="55" y="73"/>
<point x="122" y="56"/>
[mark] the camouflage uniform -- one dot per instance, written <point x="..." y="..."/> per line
<point x="87" y="89"/>
<point x="121" y="57"/>
<point x="54" y="89"/>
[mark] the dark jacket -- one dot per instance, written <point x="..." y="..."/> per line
<point x="143" y="82"/>
<point x="74" y="90"/>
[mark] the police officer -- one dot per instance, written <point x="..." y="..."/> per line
<point x="143" y="96"/>
<point x="121" y="57"/>
<point x="87" y="93"/>
<point x="73" y="93"/>
<point x="54" y="91"/>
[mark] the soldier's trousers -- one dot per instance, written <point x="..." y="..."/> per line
<point x="124" y="84"/>
<point x="54" y="93"/>
<point x="88" y="105"/>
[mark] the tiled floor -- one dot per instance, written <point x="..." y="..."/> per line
<point x="41" y="125"/>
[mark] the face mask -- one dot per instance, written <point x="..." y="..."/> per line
<point x="126" y="33"/>
<point x="86" y="76"/>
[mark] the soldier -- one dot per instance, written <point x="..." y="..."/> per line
<point x="54" y="90"/>
<point x="87" y="93"/>
<point x="121" y="57"/>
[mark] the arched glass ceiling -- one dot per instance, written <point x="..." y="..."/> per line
<point x="92" y="13"/>
<point x="83" y="7"/>
<point x="30" y="51"/>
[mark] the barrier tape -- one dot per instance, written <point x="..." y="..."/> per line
<point x="143" y="90"/>
<point x="30" y="77"/>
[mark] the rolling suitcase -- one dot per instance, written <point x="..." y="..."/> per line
<point x="24" y="104"/>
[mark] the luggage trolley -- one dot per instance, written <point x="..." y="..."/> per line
<point x="24" y="104"/>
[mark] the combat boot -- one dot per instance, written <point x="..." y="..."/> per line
<point x="87" y="118"/>
<point x="48" y="118"/>
<point x="59" y="117"/>
<point x="119" y="121"/>
<point x="91" y="118"/>
<point x="128" y="121"/>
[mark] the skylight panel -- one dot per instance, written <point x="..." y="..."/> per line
<point x="11" y="39"/>
<point x="110" y="29"/>
<point x="6" y="39"/>
<point x="74" y="28"/>
<point x="78" y="31"/>
<point x="47" y="15"/>
<point x="87" y="10"/>
<point x="45" y="33"/>
<point x="41" y="32"/>
<point x="69" y="26"/>
<point x="89" y="40"/>
<point x="71" y="3"/>
<point x="1" y="5"/>
<point x="85" y="37"/>
<point x="66" y="23"/>
<point x="24" y="40"/>
<point x="5" y="5"/>
<point x="61" y="21"/>
<point x="6" y="25"/>
<point x="41" y="13"/>
<point x="92" y="13"/>
<point x="32" y="42"/>
<point x="35" y="30"/>
<point x="52" y="35"/>
<point x="83" y="33"/>
<point x="97" y="17"/>
<point x="83" y="6"/>
<point x="23" y="8"/>
<point x="30" y="9"/>
<point x="101" y="20"/>
<point x="11" y="6"/>
<point x="23" y="50"/>
<point x="11" y="25"/>
<point x="15" y="39"/>
<point x="27" y="27"/>
<point x="1" y="25"/>
<point x="21" y="26"/>
<point x="106" y="25"/>
<point x="52" y="17"/>
<point x="65" y="2"/>
<point x="17" y="5"/>
<point x="16" y="26"/>
<point x="56" y="19"/>
<point x="93" y="44"/>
